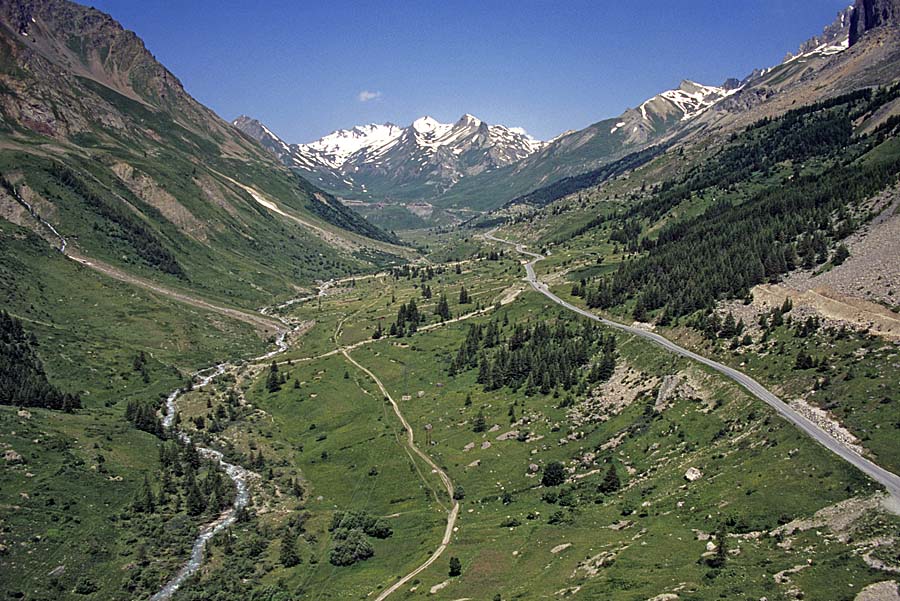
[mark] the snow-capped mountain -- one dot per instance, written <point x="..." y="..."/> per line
<point x="335" y="148"/>
<point x="658" y="114"/>
<point x="381" y="160"/>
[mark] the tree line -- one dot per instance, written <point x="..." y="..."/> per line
<point x="23" y="381"/>
<point x="728" y="249"/>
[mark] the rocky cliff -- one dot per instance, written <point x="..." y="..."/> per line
<point x="869" y="14"/>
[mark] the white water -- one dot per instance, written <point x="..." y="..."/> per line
<point x="44" y="222"/>
<point x="238" y="474"/>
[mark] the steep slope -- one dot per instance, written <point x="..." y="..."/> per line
<point x="704" y="117"/>
<point x="109" y="148"/>
<point x="824" y="66"/>
<point x="574" y="153"/>
<point x="872" y="14"/>
<point x="418" y="162"/>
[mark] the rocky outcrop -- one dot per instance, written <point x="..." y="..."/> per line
<point x="834" y="34"/>
<point x="869" y="14"/>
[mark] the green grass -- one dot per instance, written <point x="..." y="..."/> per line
<point x="758" y="472"/>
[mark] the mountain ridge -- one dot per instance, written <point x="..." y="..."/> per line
<point x="423" y="158"/>
<point x="106" y="143"/>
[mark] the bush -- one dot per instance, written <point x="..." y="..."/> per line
<point x="554" y="474"/>
<point x="353" y="547"/>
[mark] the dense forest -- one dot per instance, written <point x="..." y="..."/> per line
<point x="23" y="381"/>
<point x="550" y="354"/>
<point x="789" y="224"/>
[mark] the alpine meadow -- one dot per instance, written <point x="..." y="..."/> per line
<point x="653" y="358"/>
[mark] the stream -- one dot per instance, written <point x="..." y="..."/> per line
<point x="239" y="475"/>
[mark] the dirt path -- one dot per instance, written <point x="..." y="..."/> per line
<point x="262" y="323"/>
<point x="452" y="515"/>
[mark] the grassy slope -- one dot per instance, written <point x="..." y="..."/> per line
<point x="89" y="330"/>
<point x="758" y="472"/>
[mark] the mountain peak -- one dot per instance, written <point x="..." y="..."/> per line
<point x="427" y="124"/>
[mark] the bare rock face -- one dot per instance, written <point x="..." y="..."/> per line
<point x="869" y="14"/>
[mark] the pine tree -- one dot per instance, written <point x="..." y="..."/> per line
<point x="479" y="424"/>
<point x="611" y="481"/>
<point x="194" y="501"/>
<point x="144" y="502"/>
<point x="288" y="556"/>
<point x="442" y="309"/>
<point x="273" y="381"/>
<point x="455" y="567"/>
<point x="841" y="254"/>
<point x="554" y="474"/>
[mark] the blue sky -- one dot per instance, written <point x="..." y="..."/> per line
<point x="304" y="67"/>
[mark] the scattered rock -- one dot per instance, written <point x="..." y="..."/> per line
<point x="692" y="474"/>
<point x="508" y="435"/>
<point x="469" y="446"/>
<point x="667" y="389"/>
<point x="12" y="457"/>
<point x="533" y="468"/>
<point x="494" y="428"/>
<point x="827" y="422"/>
<point x="438" y="587"/>
<point x="784" y="576"/>
<point x="486" y="445"/>
<point x="560" y="548"/>
<point x="475" y="463"/>
<point x="57" y="571"/>
<point x="664" y="597"/>
<point x="24" y="413"/>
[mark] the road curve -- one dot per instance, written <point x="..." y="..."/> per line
<point x="448" y="484"/>
<point x="889" y="480"/>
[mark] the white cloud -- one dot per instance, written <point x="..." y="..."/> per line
<point x="366" y="96"/>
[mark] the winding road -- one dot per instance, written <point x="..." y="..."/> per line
<point x="452" y="515"/>
<point x="889" y="480"/>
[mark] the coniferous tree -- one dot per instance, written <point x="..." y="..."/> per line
<point x="479" y="424"/>
<point x="455" y="567"/>
<point x="611" y="482"/>
<point x="442" y="309"/>
<point x="554" y="474"/>
<point x="273" y="381"/>
<point x="288" y="555"/>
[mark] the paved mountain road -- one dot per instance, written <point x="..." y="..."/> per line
<point x="887" y="479"/>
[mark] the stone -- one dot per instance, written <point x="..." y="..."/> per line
<point x="12" y="457"/>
